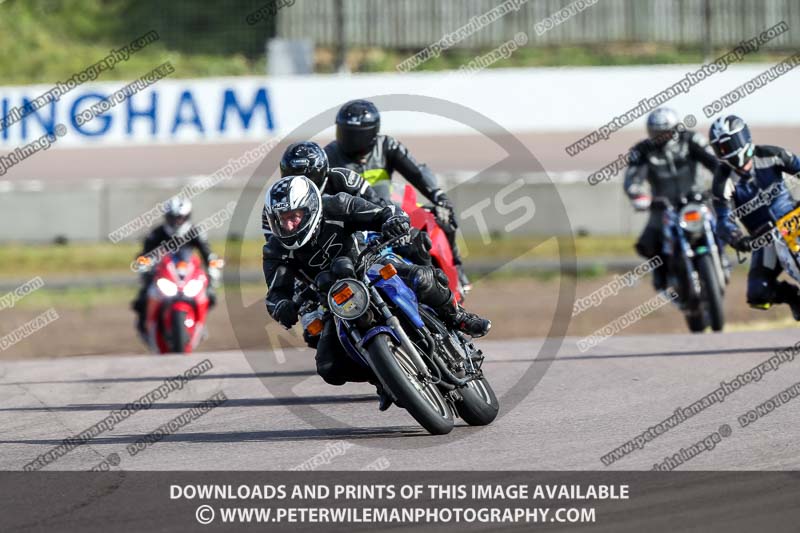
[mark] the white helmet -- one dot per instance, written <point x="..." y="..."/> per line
<point x="293" y="208"/>
<point x="176" y="216"/>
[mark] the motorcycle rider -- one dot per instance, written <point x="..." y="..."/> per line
<point x="312" y="238"/>
<point x="668" y="161"/>
<point x="177" y="227"/>
<point x="360" y="146"/>
<point x="308" y="159"/>
<point x="747" y="171"/>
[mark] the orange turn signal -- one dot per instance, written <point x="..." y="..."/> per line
<point x="315" y="327"/>
<point x="342" y="295"/>
<point x="691" y="216"/>
<point x="143" y="260"/>
<point x="388" y="271"/>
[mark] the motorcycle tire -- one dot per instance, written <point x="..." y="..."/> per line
<point x="424" y="402"/>
<point x="180" y="336"/>
<point x="479" y="405"/>
<point x="712" y="293"/>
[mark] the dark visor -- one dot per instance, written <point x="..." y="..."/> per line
<point x="731" y="145"/>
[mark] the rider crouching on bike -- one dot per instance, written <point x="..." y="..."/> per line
<point x="308" y="159"/>
<point x="312" y="239"/>
<point x="668" y="161"/>
<point x="360" y="147"/>
<point x="748" y="171"/>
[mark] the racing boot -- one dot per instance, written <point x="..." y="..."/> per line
<point x="660" y="277"/>
<point x="456" y="317"/>
<point x="138" y="308"/>
<point x="786" y="293"/>
<point x="384" y="400"/>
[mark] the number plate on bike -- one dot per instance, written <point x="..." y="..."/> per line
<point x="789" y="226"/>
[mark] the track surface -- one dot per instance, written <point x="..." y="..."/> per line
<point x="584" y="406"/>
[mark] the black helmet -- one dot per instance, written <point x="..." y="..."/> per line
<point x="662" y="125"/>
<point x="305" y="159"/>
<point x="730" y="138"/>
<point x="293" y="208"/>
<point x="357" y="125"/>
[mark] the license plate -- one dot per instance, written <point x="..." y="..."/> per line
<point x="789" y="226"/>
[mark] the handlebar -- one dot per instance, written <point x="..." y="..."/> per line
<point x="362" y="263"/>
<point x="664" y="201"/>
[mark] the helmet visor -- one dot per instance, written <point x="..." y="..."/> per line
<point x="660" y="135"/>
<point x="289" y="222"/>
<point x="728" y="147"/>
<point x="356" y="140"/>
<point x="176" y="221"/>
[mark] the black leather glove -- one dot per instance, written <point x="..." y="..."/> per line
<point x="743" y="244"/>
<point x="396" y="226"/>
<point x="285" y="312"/>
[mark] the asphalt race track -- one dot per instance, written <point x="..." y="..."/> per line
<point x="282" y="415"/>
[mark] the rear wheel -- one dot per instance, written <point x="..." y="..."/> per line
<point x="712" y="294"/>
<point x="479" y="406"/>
<point x="422" y="400"/>
<point x="180" y="336"/>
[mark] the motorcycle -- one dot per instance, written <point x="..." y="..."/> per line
<point x="784" y="233"/>
<point x="177" y="300"/>
<point x="426" y="368"/>
<point x="694" y="262"/>
<point x="423" y="218"/>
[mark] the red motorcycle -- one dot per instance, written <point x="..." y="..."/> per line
<point x="177" y="301"/>
<point x="423" y="218"/>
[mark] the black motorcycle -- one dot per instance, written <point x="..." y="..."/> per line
<point x="694" y="263"/>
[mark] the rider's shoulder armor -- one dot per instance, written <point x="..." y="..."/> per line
<point x="766" y="156"/>
<point x="336" y="207"/>
<point x="344" y="180"/>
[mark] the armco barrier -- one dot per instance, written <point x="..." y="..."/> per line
<point x="90" y="213"/>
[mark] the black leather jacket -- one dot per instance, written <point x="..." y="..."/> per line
<point x="671" y="169"/>
<point x="193" y="239"/>
<point x="342" y="216"/>
<point x="388" y="155"/>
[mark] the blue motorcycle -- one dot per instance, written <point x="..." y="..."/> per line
<point x="431" y="371"/>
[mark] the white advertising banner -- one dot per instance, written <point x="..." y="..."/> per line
<point x="579" y="99"/>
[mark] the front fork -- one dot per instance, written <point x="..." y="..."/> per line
<point x="402" y="336"/>
<point x="716" y="256"/>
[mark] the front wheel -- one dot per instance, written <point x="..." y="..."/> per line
<point x="422" y="400"/>
<point x="180" y="336"/>
<point x="712" y="293"/>
<point x="479" y="405"/>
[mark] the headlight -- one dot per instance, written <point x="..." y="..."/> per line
<point x="692" y="217"/>
<point x="193" y="288"/>
<point x="348" y="299"/>
<point x="166" y="287"/>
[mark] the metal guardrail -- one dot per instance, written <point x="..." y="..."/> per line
<point x="414" y="24"/>
<point x="477" y="268"/>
